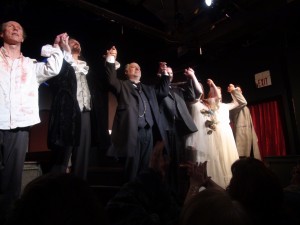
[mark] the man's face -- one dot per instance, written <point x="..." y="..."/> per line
<point x="75" y="46"/>
<point x="12" y="33"/>
<point x="133" y="71"/>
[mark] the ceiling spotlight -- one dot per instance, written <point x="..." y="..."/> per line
<point x="208" y="2"/>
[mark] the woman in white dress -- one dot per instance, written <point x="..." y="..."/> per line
<point x="214" y="141"/>
<point x="196" y="148"/>
<point x="224" y="144"/>
<point x="198" y="143"/>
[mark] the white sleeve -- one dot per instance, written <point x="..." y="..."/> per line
<point x="110" y="59"/>
<point x="68" y="57"/>
<point x="233" y="104"/>
<point x="50" y="68"/>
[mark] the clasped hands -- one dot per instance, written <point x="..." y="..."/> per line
<point x="189" y="72"/>
<point x="62" y="41"/>
<point x="111" y="52"/>
<point x="164" y="69"/>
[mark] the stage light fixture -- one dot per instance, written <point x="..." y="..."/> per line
<point x="208" y="2"/>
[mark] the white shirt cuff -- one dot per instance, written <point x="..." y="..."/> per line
<point x="110" y="59"/>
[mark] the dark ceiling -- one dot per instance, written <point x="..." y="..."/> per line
<point x="179" y="27"/>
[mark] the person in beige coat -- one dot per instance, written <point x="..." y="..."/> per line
<point x="242" y="126"/>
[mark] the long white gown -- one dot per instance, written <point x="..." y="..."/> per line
<point x="200" y="140"/>
<point x="218" y="148"/>
<point x="224" y="143"/>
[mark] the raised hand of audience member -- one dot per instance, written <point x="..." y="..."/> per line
<point x="198" y="177"/>
<point x="159" y="162"/>
<point x="197" y="173"/>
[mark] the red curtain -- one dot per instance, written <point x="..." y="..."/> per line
<point x="267" y="122"/>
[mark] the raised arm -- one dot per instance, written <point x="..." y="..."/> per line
<point x="110" y="70"/>
<point x="198" y="179"/>
<point x="238" y="96"/>
<point x="53" y="65"/>
<point x="238" y="99"/>
<point x="190" y="73"/>
<point x="166" y="75"/>
<point x="214" y="91"/>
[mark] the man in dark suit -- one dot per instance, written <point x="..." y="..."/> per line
<point x="136" y="123"/>
<point x="177" y="122"/>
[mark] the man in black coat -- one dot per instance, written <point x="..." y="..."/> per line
<point x="74" y="116"/>
<point x="137" y="122"/>
<point x="177" y="122"/>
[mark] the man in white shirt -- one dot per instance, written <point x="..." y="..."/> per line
<point x="20" y="78"/>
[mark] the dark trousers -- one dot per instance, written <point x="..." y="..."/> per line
<point x="13" y="148"/>
<point x="141" y="158"/>
<point x="174" y="174"/>
<point x="79" y="155"/>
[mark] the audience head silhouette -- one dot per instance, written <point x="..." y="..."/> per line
<point x="257" y="188"/>
<point x="57" y="199"/>
<point x="212" y="207"/>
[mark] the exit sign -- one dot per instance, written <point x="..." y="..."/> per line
<point x="263" y="79"/>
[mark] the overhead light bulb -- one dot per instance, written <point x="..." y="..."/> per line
<point x="208" y="2"/>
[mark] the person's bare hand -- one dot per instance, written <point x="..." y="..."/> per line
<point x="64" y="42"/>
<point x="158" y="161"/>
<point x="210" y="82"/>
<point x="59" y="38"/>
<point x="112" y="52"/>
<point x="162" y="68"/>
<point x="189" y="72"/>
<point x="197" y="173"/>
<point x="230" y="88"/>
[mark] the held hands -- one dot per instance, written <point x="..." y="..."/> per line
<point x="64" y="44"/>
<point x="162" y="68"/>
<point x="189" y="72"/>
<point x="239" y="89"/>
<point x="230" y="88"/>
<point x="111" y="52"/>
<point x="62" y="40"/>
<point x="210" y="82"/>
